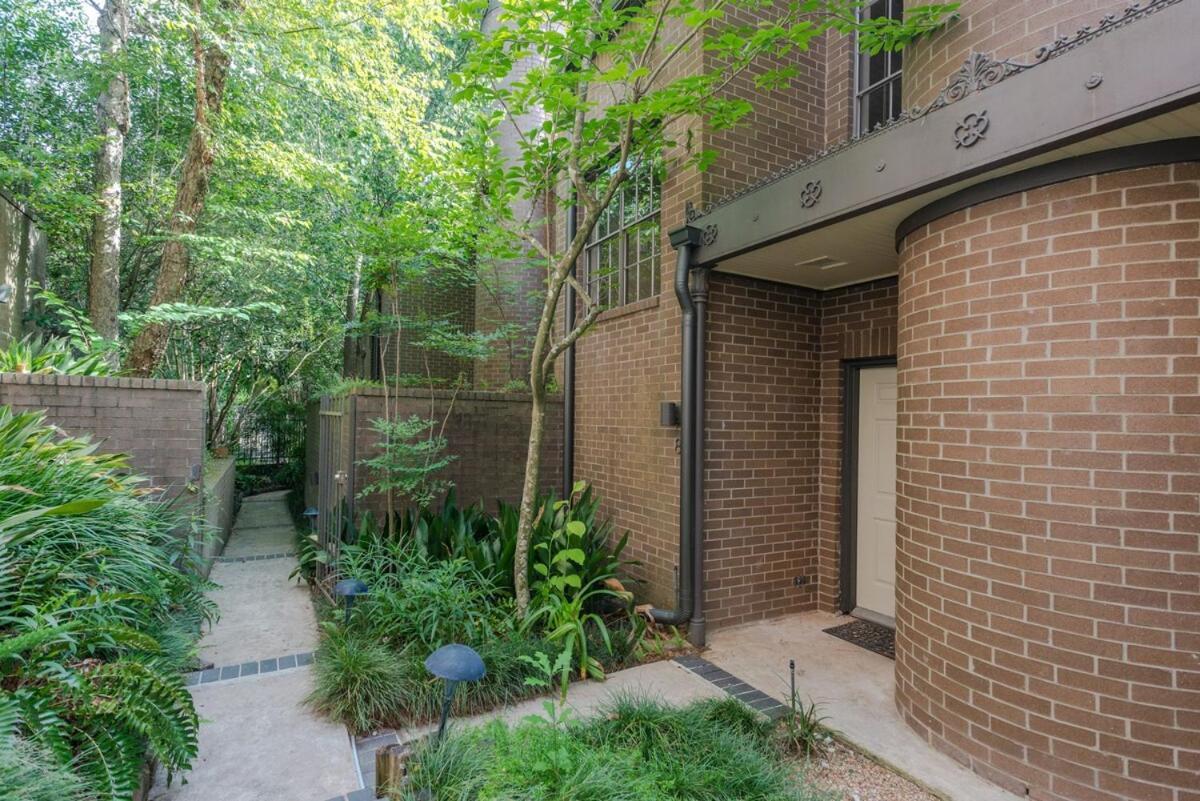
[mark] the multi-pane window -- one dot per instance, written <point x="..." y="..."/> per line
<point x="622" y="259"/>
<point x="877" y="95"/>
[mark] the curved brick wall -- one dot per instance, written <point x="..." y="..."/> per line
<point x="1048" y="587"/>
<point x="1008" y="29"/>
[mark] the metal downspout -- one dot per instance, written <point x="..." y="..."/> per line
<point x="568" y="455"/>
<point x="696" y="631"/>
<point x="685" y="240"/>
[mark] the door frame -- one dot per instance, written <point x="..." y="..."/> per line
<point x="851" y="368"/>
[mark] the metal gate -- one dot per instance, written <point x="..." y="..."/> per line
<point x="335" y="480"/>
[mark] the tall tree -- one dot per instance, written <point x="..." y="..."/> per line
<point x="211" y="64"/>
<point x="112" y="117"/>
<point x="612" y="83"/>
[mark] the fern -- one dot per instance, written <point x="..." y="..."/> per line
<point x="96" y="620"/>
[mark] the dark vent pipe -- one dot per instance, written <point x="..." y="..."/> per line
<point x="685" y="240"/>
<point x="568" y="452"/>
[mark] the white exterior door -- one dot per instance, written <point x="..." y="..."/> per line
<point x="875" y="521"/>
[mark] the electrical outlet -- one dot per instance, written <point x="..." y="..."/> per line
<point x="800" y="581"/>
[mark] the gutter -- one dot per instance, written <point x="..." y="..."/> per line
<point x="689" y="591"/>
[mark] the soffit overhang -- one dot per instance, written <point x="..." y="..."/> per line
<point x="1132" y="79"/>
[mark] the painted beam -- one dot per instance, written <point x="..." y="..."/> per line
<point x="1144" y="67"/>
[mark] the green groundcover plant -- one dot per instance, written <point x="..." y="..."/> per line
<point x="446" y="576"/>
<point x="99" y="612"/>
<point x="635" y="749"/>
<point x="371" y="672"/>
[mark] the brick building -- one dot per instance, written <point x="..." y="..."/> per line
<point x="946" y="379"/>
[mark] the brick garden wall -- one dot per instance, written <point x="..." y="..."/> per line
<point x="1048" y="587"/>
<point x="159" y="423"/>
<point x="486" y="431"/>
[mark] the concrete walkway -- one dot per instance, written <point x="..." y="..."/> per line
<point x="258" y="740"/>
<point x="854" y="687"/>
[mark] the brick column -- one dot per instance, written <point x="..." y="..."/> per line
<point x="1048" y="576"/>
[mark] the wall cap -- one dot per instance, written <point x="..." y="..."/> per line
<point x="447" y="394"/>
<point x="99" y="382"/>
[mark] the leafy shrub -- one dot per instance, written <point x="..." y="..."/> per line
<point x="635" y="749"/>
<point x="416" y="605"/>
<point x="410" y="456"/>
<point x="803" y="729"/>
<point x="489" y="542"/>
<point x="359" y="680"/>
<point x="98" y="611"/>
<point x="50" y="356"/>
<point x="446" y="577"/>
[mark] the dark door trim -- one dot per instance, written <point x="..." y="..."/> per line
<point x="849" y="545"/>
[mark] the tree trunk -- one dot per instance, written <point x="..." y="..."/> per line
<point x="112" y="118"/>
<point x="212" y="65"/>
<point x="529" y="493"/>
<point x="350" y="343"/>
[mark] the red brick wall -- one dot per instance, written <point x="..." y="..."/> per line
<point x="627" y="365"/>
<point x="762" y="438"/>
<point x="486" y="432"/>
<point x="427" y="300"/>
<point x="1006" y="29"/>
<point x="839" y="87"/>
<point x="785" y="125"/>
<point x="857" y="322"/>
<point x="1048" y="587"/>
<point x="158" y="423"/>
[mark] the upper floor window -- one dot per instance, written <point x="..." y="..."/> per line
<point x="622" y="261"/>
<point x="877" y="90"/>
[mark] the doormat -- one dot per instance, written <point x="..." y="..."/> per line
<point x="871" y="636"/>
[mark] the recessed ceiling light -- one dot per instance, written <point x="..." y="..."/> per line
<point x="821" y="263"/>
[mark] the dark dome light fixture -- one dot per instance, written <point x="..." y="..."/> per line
<point x="454" y="663"/>
<point x="349" y="589"/>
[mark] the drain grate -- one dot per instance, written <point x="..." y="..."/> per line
<point x="871" y="636"/>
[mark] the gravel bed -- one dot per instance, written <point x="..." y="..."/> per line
<point x="857" y="778"/>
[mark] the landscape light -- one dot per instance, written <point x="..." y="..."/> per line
<point x="454" y="663"/>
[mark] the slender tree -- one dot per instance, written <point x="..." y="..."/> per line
<point x="211" y="64"/>
<point x="607" y="82"/>
<point x="112" y="117"/>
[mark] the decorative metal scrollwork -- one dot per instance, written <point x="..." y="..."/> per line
<point x="708" y="235"/>
<point x="691" y="213"/>
<point x="971" y="129"/>
<point x="810" y="195"/>
<point x="979" y="71"/>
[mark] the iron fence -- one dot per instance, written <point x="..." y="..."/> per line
<point x="335" y="479"/>
<point x="270" y="439"/>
